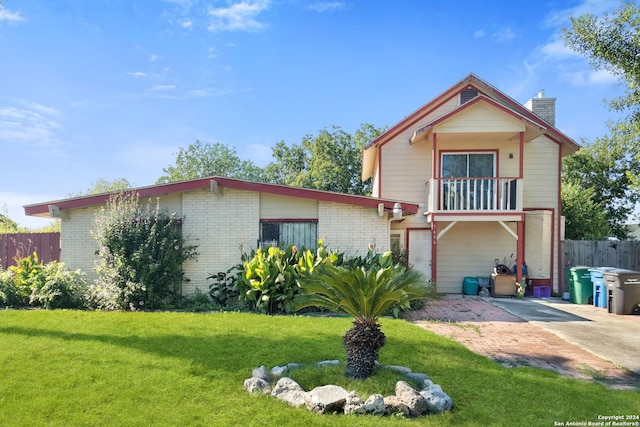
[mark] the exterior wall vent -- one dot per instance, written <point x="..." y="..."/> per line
<point x="467" y="95"/>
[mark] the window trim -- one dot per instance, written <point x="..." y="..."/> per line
<point x="467" y="152"/>
<point x="262" y="243"/>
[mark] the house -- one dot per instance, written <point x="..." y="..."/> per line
<point x="466" y="181"/>
<point x="485" y="173"/>
<point x="222" y="215"/>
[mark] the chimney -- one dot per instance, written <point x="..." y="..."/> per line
<point x="545" y="108"/>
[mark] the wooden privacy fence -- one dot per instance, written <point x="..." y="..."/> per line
<point x="602" y="253"/>
<point x="18" y="245"/>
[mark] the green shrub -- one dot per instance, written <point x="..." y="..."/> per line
<point x="224" y="290"/>
<point x="61" y="288"/>
<point x="51" y="285"/>
<point x="266" y="280"/>
<point x="8" y="293"/>
<point x="269" y="280"/>
<point x="142" y="251"/>
<point x="28" y="273"/>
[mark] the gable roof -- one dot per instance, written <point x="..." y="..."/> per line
<point x="478" y="100"/>
<point x="486" y="93"/>
<point x="45" y="209"/>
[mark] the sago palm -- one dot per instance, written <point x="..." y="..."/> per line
<point x="366" y="295"/>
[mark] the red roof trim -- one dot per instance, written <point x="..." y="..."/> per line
<point x="205" y="183"/>
<point x="470" y="81"/>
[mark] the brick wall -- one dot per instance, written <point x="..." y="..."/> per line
<point x="218" y="224"/>
<point x="352" y="228"/>
<point x="545" y="108"/>
<point x="78" y="246"/>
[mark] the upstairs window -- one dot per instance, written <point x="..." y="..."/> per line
<point x="468" y="165"/>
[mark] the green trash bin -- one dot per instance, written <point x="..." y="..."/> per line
<point x="580" y="285"/>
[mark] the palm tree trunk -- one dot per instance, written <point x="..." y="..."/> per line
<point x="363" y="343"/>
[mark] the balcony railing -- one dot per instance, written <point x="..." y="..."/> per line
<point x="474" y="195"/>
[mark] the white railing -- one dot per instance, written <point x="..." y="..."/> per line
<point x="474" y="195"/>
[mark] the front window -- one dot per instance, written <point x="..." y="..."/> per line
<point x="468" y="165"/>
<point x="301" y="233"/>
<point x="467" y="181"/>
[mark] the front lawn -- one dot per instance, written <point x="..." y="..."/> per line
<point x="73" y="368"/>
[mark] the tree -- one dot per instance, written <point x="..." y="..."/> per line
<point x="612" y="43"/>
<point x="200" y="160"/>
<point x="585" y="219"/>
<point x="330" y="161"/>
<point x="7" y="225"/>
<point x="601" y="170"/>
<point x="101" y="186"/>
<point x="366" y="294"/>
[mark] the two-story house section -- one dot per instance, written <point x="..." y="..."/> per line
<point x="485" y="172"/>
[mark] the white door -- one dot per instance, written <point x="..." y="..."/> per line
<point x="420" y="251"/>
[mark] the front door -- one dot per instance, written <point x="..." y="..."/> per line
<point x="419" y="247"/>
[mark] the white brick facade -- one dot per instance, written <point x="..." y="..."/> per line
<point x="218" y="224"/>
<point x="222" y="224"/>
<point x="351" y="229"/>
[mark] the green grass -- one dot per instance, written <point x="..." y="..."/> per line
<point x="76" y="368"/>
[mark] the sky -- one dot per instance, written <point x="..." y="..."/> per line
<point x="107" y="89"/>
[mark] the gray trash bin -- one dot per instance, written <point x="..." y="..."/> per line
<point x="623" y="290"/>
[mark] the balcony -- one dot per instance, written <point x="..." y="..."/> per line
<point x="474" y="199"/>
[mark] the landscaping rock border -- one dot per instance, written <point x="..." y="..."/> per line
<point x="329" y="399"/>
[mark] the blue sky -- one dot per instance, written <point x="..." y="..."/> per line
<point x="107" y="89"/>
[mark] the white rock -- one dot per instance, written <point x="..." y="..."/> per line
<point x="289" y="391"/>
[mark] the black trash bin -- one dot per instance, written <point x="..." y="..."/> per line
<point x="623" y="290"/>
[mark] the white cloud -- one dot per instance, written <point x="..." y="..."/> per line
<point x="163" y="87"/>
<point x="11" y="17"/>
<point x="503" y="35"/>
<point x="479" y="34"/>
<point x="560" y="18"/>
<point x="240" y="16"/>
<point x="154" y="57"/>
<point x="197" y="93"/>
<point x="31" y="122"/>
<point x="589" y="77"/>
<point x="555" y="59"/>
<point x="327" y="6"/>
<point x="137" y="74"/>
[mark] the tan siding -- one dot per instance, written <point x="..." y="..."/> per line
<point x="541" y="188"/>
<point x="538" y="244"/>
<point x="480" y="118"/>
<point x="351" y="229"/>
<point x="541" y="174"/>
<point x="218" y="224"/>
<point x="469" y="250"/>
<point x="405" y="171"/>
<point x="276" y="206"/>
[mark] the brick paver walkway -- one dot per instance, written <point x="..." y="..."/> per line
<point x="492" y="332"/>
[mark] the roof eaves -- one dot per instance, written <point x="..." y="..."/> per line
<point x="205" y="183"/>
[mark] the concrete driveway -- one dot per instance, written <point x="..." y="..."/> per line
<point x="611" y="337"/>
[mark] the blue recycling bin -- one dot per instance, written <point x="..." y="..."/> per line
<point x="599" y="286"/>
